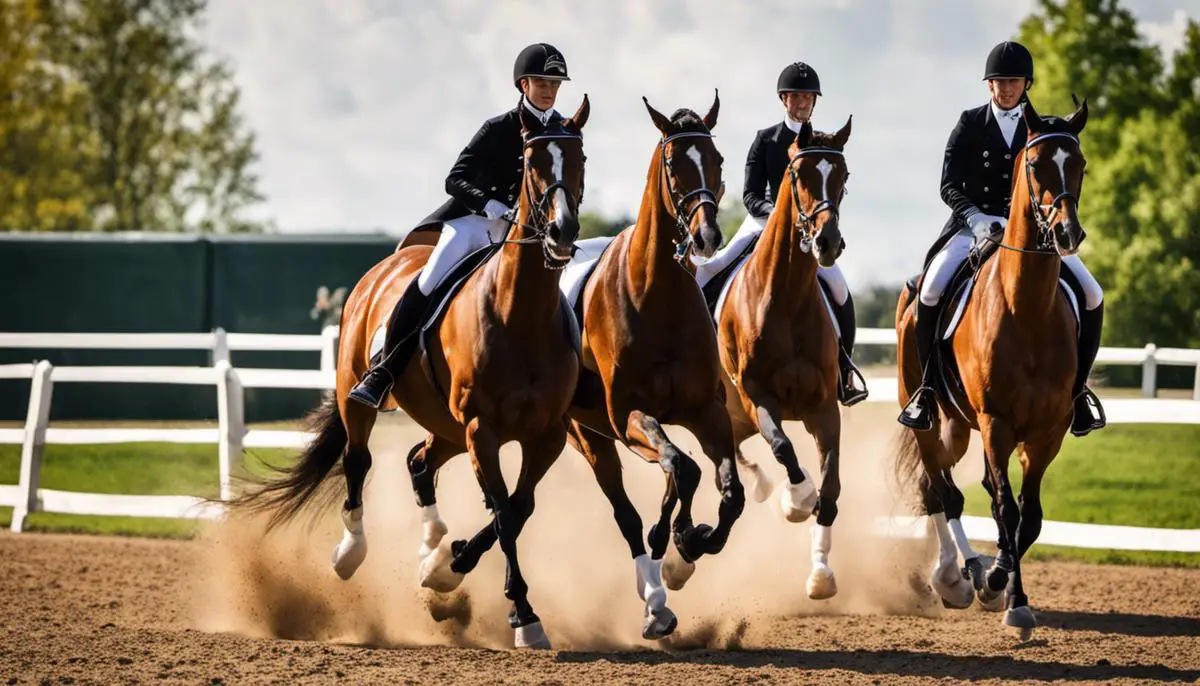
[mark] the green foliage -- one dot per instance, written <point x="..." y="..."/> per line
<point x="593" y="225"/>
<point x="121" y="121"/>
<point x="1141" y="200"/>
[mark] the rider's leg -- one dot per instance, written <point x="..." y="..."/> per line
<point x="918" y="414"/>
<point x="1088" y="414"/>
<point x="849" y="392"/>
<point x="459" y="237"/>
<point x="750" y="228"/>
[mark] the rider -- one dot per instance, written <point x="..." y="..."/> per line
<point x="766" y="164"/>
<point x="976" y="184"/>
<point x="483" y="185"/>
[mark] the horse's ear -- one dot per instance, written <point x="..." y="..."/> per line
<point x="1033" y="120"/>
<point x="1078" y="119"/>
<point x="580" y="117"/>
<point x="529" y="123"/>
<point x="710" y="119"/>
<point x="660" y="122"/>
<point x="804" y="136"/>
<point x="843" y="135"/>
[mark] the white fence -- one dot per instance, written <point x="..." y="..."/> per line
<point x="232" y="437"/>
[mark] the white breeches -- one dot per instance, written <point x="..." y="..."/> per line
<point x="750" y="228"/>
<point x="460" y="237"/>
<point x="946" y="262"/>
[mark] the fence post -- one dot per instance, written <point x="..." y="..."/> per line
<point x="1150" y="372"/>
<point x="329" y="336"/>
<point x="220" y="350"/>
<point x="41" y="389"/>
<point x="231" y="418"/>
<point x="1196" y="385"/>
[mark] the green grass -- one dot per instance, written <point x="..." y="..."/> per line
<point x="124" y="468"/>
<point x="1133" y="475"/>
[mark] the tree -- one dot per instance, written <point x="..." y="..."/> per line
<point x="156" y="138"/>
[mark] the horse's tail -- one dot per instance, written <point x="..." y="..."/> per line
<point x="908" y="467"/>
<point x="298" y="487"/>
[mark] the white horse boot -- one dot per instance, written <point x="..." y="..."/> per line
<point x="531" y="636"/>
<point x="434" y="570"/>
<point x="352" y="550"/>
<point x="798" y="500"/>
<point x="821" y="582"/>
<point x="660" y="620"/>
<point x="947" y="578"/>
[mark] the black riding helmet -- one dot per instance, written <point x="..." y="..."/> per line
<point x="541" y="60"/>
<point x="1009" y="60"/>
<point x="798" y="77"/>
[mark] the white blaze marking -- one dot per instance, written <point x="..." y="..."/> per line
<point x="693" y="154"/>
<point x="1060" y="158"/>
<point x="560" y="197"/>
<point x="824" y="167"/>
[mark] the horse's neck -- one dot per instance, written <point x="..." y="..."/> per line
<point x="526" y="291"/>
<point x="780" y="262"/>
<point x="651" y="245"/>
<point x="1029" y="280"/>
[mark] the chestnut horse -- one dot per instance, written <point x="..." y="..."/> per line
<point x="778" y="343"/>
<point x="508" y="369"/>
<point x="1015" y="349"/>
<point x="650" y="358"/>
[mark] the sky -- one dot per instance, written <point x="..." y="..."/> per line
<point x="361" y="106"/>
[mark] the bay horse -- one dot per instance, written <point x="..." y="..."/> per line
<point x="650" y="358"/>
<point x="1015" y="350"/>
<point x="778" y="344"/>
<point x="508" y="375"/>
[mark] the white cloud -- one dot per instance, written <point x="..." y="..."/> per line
<point x="361" y="106"/>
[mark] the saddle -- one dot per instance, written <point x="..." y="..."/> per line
<point x="951" y="309"/>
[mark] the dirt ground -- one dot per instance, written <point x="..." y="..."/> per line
<point x="237" y="607"/>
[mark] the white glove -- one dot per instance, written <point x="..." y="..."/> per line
<point x="982" y="224"/>
<point x="494" y="209"/>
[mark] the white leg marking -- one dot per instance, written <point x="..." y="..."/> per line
<point x="960" y="537"/>
<point x="947" y="579"/>
<point x="352" y="550"/>
<point x="821" y="582"/>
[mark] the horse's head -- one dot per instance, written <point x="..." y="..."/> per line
<point x="817" y="173"/>
<point x="553" y="185"/>
<point x="1054" y="166"/>
<point x="691" y="169"/>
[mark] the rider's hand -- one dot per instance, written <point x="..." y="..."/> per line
<point x="986" y="225"/>
<point x="494" y="209"/>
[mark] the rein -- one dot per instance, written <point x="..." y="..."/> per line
<point x="1045" y="243"/>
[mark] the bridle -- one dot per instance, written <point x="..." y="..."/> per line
<point x="683" y="219"/>
<point x="1045" y="241"/>
<point x="806" y="222"/>
<point x="539" y="206"/>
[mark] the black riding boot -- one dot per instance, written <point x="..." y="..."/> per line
<point x="1089" y="415"/>
<point x="398" y="347"/>
<point x="852" y="387"/>
<point x="919" y="412"/>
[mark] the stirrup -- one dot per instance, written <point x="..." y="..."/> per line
<point x="916" y="415"/>
<point x="1095" y="411"/>
<point x="365" y="391"/>
<point x="852" y="386"/>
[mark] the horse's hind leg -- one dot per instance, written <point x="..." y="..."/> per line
<point x="424" y="461"/>
<point x="350" y="552"/>
<point x="645" y="436"/>
<point x="713" y="430"/>
<point x="485" y="457"/>
<point x="601" y="454"/>
<point x="944" y="503"/>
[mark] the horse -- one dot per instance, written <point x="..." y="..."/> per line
<point x="778" y="341"/>
<point x="1015" y="351"/>
<point x="650" y="358"/>
<point x="506" y="375"/>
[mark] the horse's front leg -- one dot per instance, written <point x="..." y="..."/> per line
<point x="1036" y="458"/>
<point x="798" y="497"/>
<point x="999" y="442"/>
<point x="826" y="429"/>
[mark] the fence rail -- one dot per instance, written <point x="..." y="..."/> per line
<point x="232" y="436"/>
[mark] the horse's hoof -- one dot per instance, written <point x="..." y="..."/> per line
<point x="822" y="584"/>
<point x="676" y="571"/>
<point x="956" y="590"/>
<point x="659" y="624"/>
<point x="531" y="636"/>
<point x="992" y="601"/>
<point x="1021" y="621"/>
<point x="760" y="484"/>
<point x="976" y="570"/>
<point x="436" y="574"/>
<point x="798" y="500"/>
<point x="349" y="554"/>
